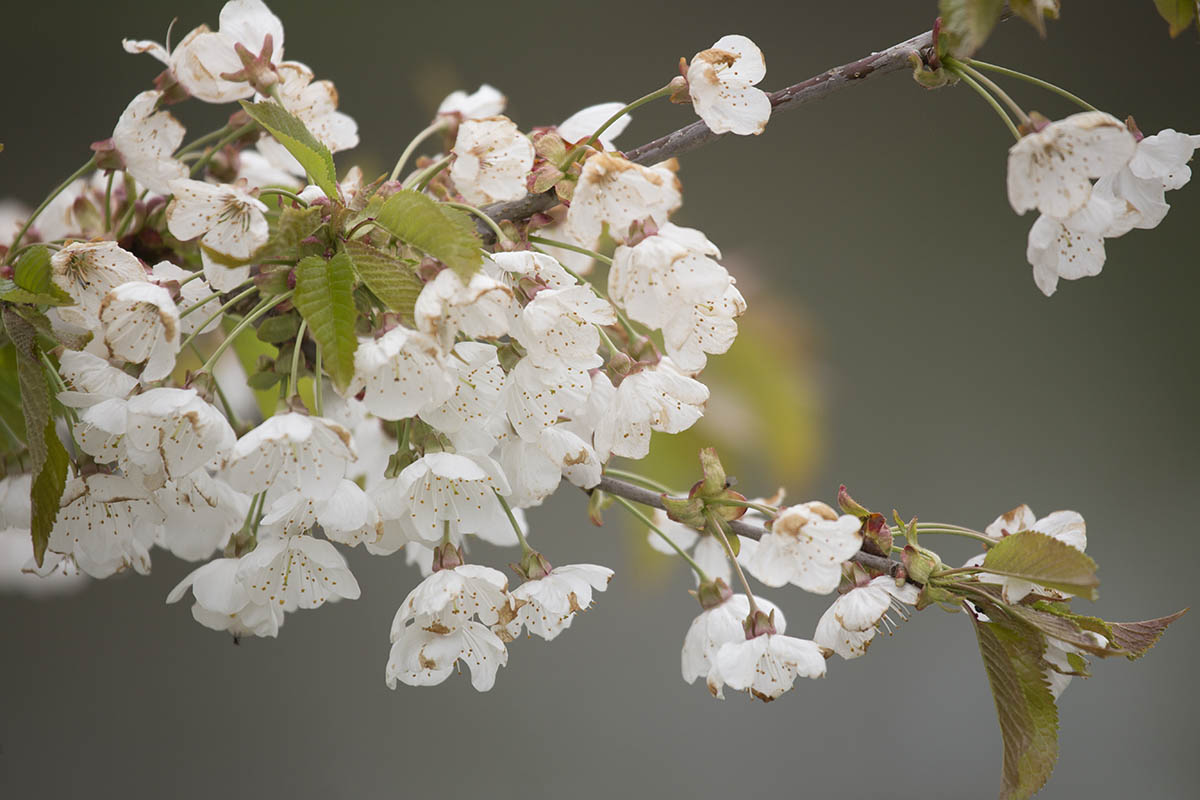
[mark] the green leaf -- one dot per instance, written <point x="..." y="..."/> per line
<point x="968" y="23"/>
<point x="447" y="234"/>
<point x="1139" y="637"/>
<point x="35" y="392"/>
<point x="1035" y="12"/>
<point x="46" y="491"/>
<point x="293" y="226"/>
<point x="1177" y="13"/>
<point x="1044" y="560"/>
<point x="32" y="282"/>
<point x="299" y="141"/>
<point x="276" y="330"/>
<point x="1024" y="706"/>
<point x="325" y="297"/>
<point x="393" y="280"/>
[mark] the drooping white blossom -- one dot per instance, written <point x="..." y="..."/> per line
<point x="91" y="380"/>
<point x="426" y="655"/>
<point x="558" y="326"/>
<point x="223" y="603"/>
<point x="452" y="595"/>
<point x="481" y="308"/>
<point x="1051" y="170"/>
<point x="546" y="606"/>
<point x="492" y="160"/>
<point x="474" y="411"/>
<point x="290" y="454"/>
<point x="107" y="524"/>
<point x="486" y="101"/>
<point x="402" y="373"/>
<point x="18" y="570"/>
<point x="767" y="665"/>
<point x="722" y="81"/>
<point x="146" y="139"/>
<point x="442" y="492"/>
<point x="536" y="397"/>
<point x="193" y="289"/>
<point x="616" y="192"/>
<point x="848" y="626"/>
<point x="296" y="572"/>
<point x="718" y="626"/>
<point x="514" y="266"/>
<point x="171" y="433"/>
<point x="806" y="546"/>
<point x="88" y="271"/>
<point x="204" y="56"/>
<point x="230" y="222"/>
<point x="659" y="398"/>
<point x="583" y="123"/>
<point x="140" y="323"/>
<point x="535" y="467"/>
<point x="200" y="514"/>
<point x="1055" y="251"/>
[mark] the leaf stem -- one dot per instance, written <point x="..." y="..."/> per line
<point x="79" y="173"/>
<point x="284" y="193"/>
<point x="491" y="223"/>
<point x="419" y="180"/>
<point x="637" y="512"/>
<point x="191" y="337"/>
<point x="579" y="151"/>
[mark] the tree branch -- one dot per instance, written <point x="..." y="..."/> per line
<point x="690" y="137"/>
<point x="749" y="530"/>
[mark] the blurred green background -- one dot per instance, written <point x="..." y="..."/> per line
<point x="917" y="363"/>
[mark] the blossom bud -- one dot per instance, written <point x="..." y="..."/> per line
<point x="931" y="594"/>
<point x="107" y="155"/>
<point x="680" y="95"/>
<point x="447" y="556"/>
<point x="713" y="593"/>
<point x="920" y="563"/>
<point x="620" y="363"/>
<point x="533" y="566"/>
<point x="759" y="623"/>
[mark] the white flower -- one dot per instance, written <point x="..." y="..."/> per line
<point x="18" y="571"/>
<point x="721" y="81"/>
<point x="1055" y="251"/>
<point x="1051" y="170"/>
<point x="13" y="214"/>
<point x="447" y="491"/>
<point x="806" y="546"/>
<point x="424" y="656"/>
<point x="403" y="374"/>
<point x="766" y="665"/>
<point x="1067" y="527"/>
<point x="88" y="271"/>
<point x="486" y="101"/>
<point x="715" y="627"/>
<point x="659" y="398"/>
<point x="193" y="289"/>
<point x="583" y="123"/>
<point x="201" y="513"/>
<point x="203" y="57"/>
<point x="1164" y="157"/>
<point x="473" y="411"/>
<point x="536" y="397"/>
<point x="545" y="606"/>
<point x="454" y="595"/>
<point x="558" y="327"/>
<point x="91" y="380"/>
<point x="617" y="192"/>
<point x="140" y="323"/>
<point x="106" y="524"/>
<point x="230" y="220"/>
<point x="535" y="467"/>
<point x="296" y="572"/>
<point x="848" y="626"/>
<point x="314" y="104"/>
<point x="481" y="309"/>
<point x="170" y="433"/>
<point x="258" y="172"/>
<point x="291" y="453"/>
<point x="349" y="516"/>
<point x="146" y="138"/>
<point x="708" y="552"/>
<point x="1058" y="656"/>
<point x="512" y="267"/>
<point x="492" y="160"/>
<point x="223" y="602"/>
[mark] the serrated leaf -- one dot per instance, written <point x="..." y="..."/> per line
<point x="445" y="233"/>
<point x="1024" y="706"/>
<point x="1177" y="13"/>
<point x="35" y="392"/>
<point x="1139" y="637"/>
<point x="1063" y="628"/>
<point x="275" y="330"/>
<point x="293" y="226"/>
<point x="299" y="141"/>
<point x="393" y="280"/>
<point x="1044" y="560"/>
<point x="968" y="23"/>
<point x="325" y="297"/>
<point x="46" y="490"/>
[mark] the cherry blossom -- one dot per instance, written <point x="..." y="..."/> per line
<point x="545" y="606"/>
<point x="141" y="324"/>
<point x="471" y="415"/>
<point x="223" y="603"/>
<point x="722" y="81"/>
<point x="1067" y="527"/>
<point x="492" y="160"/>
<point x="1050" y="170"/>
<point x="660" y="398"/>
<point x="452" y="595"/>
<point x="616" y="192"/>
<point x="1055" y="251"/>
<point x="767" y="665"/>
<point x="401" y="373"/>
<point x="145" y="139"/>
<point x="558" y="327"/>
<point x="290" y="453"/>
<point x="193" y="289"/>
<point x="107" y="524"/>
<point x="535" y="467"/>
<point x="18" y="571"/>
<point x="715" y="627"/>
<point x="535" y="397"/>
<point x="442" y="492"/>
<point x="229" y="221"/>
<point x="1058" y="656"/>
<point x="171" y="433"/>
<point x="91" y="380"/>
<point x="480" y="308"/>
<point x="201" y="60"/>
<point x="296" y="572"/>
<point x="88" y="271"/>
<point x="848" y="626"/>
<point x="583" y="123"/>
<point x="486" y="101"/>
<point x="426" y="655"/>
<point x="200" y="514"/>
<point x="806" y="546"/>
<point x="514" y="266"/>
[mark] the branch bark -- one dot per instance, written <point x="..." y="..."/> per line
<point x="647" y="497"/>
<point x="690" y="137"/>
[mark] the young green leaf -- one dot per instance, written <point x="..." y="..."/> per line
<point x="1035" y="12"/>
<point x="278" y="329"/>
<point x="35" y="393"/>
<point x="1024" y="705"/>
<point x="392" y="279"/>
<point x="325" y="297"/>
<point x="1044" y="560"/>
<point x="1139" y="637"/>
<point x="968" y="23"/>
<point x="447" y="234"/>
<point x="45" y="493"/>
<point x="294" y="226"/>
<point x="32" y="282"/>
<point x="1177" y="13"/>
<point x="299" y="141"/>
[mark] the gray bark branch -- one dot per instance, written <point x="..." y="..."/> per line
<point x="750" y="530"/>
<point x="690" y="137"/>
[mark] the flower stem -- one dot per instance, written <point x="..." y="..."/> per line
<point x="232" y="136"/>
<point x="296" y="347"/>
<point x="203" y="140"/>
<point x="714" y="523"/>
<point x="525" y="548"/>
<point x="954" y="530"/>
<point x="633" y="476"/>
<point x="433" y="128"/>
<point x="318" y="384"/>
<point x="491" y="223"/>
<point x="760" y="507"/>
<point x="578" y="152"/>
<point x="258" y="311"/>
<point x="626" y="325"/>
<point x="420" y="180"/>
<point x="637" y="512"/>
<point x="991" y="85"/>
<point x="572" y="247"/>
<point x="1012" y="73"/>
<point x="127" y="220"/>
<point x="991" y="101"/>
<point x="215" y="314"/>
<point x="108" y="200"/>
<point x="284" y="193"/>
<point x="79" y="173"/>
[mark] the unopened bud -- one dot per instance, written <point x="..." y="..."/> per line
<point x="758" y="623"/>
<point x="920" y="563"/>
<point x="447" y="556"/>
<point x="620" y="363"/>
<point x="713" y="593"/>
<point x="533" y="566"/>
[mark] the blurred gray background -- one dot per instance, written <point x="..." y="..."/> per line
<point x="872" y="235"/>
